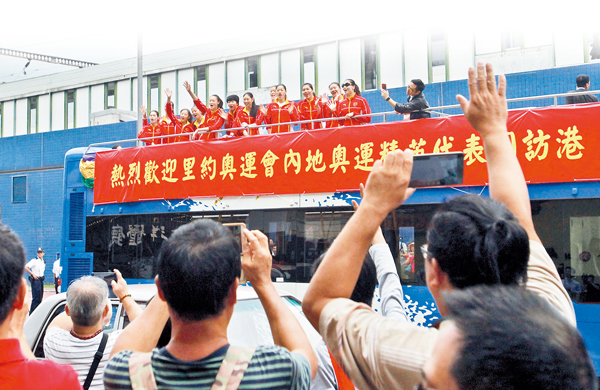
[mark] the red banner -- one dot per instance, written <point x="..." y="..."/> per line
<point x="554" y="144"/>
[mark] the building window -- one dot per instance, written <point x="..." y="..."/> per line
<point x="111" y="96"/>
<point x="370" y="62"/>
<point x="594" y="46"/>
<point x="201" y="73"/>
<point x="512" y="40"/>
<point x="437" y="57"/>
<point x="154" y="92"/>
<point x="19" y="190"/>
<point x="33" y="115"/>
<point x="70" y="109"/>
<point x="252" y="72"/>
<point x="308" y="66"/>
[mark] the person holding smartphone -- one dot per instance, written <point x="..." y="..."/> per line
<point x="416" y="101"/>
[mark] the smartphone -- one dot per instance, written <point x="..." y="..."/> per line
<point x="437" y="169"/>
<point x="237" y="229"/>
<point x="384" y="86"/>
<point x="107" y="277"/>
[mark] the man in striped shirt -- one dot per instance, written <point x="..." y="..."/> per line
<point x="74" y="336"/>
<point x="198" y="275"/>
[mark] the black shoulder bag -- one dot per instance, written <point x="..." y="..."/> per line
<point x="96" y="362"/>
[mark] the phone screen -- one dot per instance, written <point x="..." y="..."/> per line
<point x="237" y="229"/>
<point x="107" y="277"/>
<point x="439" y="169"/>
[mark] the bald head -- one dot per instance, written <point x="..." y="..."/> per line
<point x="86" y="298"/>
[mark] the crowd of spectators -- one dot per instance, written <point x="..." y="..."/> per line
<point x="508" y="321"/>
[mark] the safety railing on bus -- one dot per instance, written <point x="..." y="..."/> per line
<point x="438" y="110"/>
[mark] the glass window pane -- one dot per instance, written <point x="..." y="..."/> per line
<point x="19" y="189"/>
<point x="201" y="73"/>
<point x="252" y="64"/>
<point x="512" y="40"/>
<point x="438" y="49"/>
<point x="70" y="115"/>
<point x="154" y="96"/>
<point x="370" y="61"/>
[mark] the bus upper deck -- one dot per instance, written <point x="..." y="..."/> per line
<point x="297" y="187"/>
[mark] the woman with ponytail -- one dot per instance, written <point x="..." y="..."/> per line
<point x="476" y="240"/>
<point x="212" y="119"/>
<point x="250" y="116"/>
<point x="471" y="241"/>
<point x="353" y="105"/>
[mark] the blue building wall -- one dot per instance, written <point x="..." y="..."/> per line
<point x="40" y="157"/>
<point x="525" y="84"/>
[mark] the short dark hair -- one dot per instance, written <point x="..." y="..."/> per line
<point x="196" y="267"/>
<point x="477" y="240"/>
<point x="366" y="283"/>
<point x="582" y="80"/>
<point x="513" y="339"/>
<point x="234" y="98"/>
<point x="12" y="266"/>
<point x="419" y="84"/>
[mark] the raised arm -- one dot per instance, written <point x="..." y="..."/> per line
<point x="169" y="107"/>
<point x="287" y="331"/>
<point x="188" y="88"/>
<point x="390" y="288"/>
<point x="487" y="112"/>
<point x="386" y="189"/>
<point x="142" y="334"/>
<point x="122" y="292"/>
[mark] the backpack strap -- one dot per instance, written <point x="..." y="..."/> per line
<point x="97" y="357"/>
<point x="232" y="369"/>
<point x="140" y="371"/>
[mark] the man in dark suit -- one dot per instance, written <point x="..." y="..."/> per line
<point x="416" y="101"/>
<point x="583" y="84"/>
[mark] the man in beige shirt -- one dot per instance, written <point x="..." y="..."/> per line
<point x="491" y="243"/>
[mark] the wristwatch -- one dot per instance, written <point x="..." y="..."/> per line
<point x="388" y="99"/>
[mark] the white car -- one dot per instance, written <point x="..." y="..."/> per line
<point x="249" y="326"/>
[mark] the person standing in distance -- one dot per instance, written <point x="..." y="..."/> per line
<point x="35" y="268"/>
<point x="56" y="270"/>
<point x="416" y="100"/>
<point x="583" y="84"/>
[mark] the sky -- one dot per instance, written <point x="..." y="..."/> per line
<point x="107" y="31"/>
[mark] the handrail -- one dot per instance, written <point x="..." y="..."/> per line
<point x="435" y="110"/>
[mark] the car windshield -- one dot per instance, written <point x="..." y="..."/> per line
<point x="249" y="325"/>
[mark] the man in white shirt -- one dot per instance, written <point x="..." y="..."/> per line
<point x="75" y="335"/>
<point x="56" y="270"/>
<point x="35" y="268"/>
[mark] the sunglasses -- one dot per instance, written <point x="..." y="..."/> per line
<point x="347" y="85"/>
